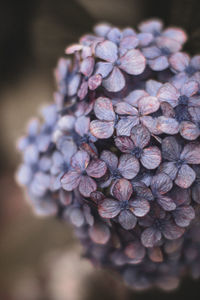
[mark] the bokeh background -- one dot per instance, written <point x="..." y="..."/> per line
<point x="39" y="258"/>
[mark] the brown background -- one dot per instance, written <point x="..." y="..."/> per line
<point x="40" y="258"/>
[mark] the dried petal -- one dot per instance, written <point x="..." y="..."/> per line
<point x="87" y="186"/>
<point x="133" y="62"/>
<point x="127" y="219"/>
<point x="102" y="130"/>
<point x="110" y="159"/>
<point x="128" y="166"/>
<point x="147" y="105"/>
<point x="140" y="136"/>
<point x="122" y="190"/>
<point x="150" y="237"/>
<point x="94" y="81"/>
<point x="189" y="130"/>
<point x="139" y="207"/>
<point x="185" y="177"/>
<point x="115" y="82"/>
<point x="184" y="215"/>
<point x="80" y="161"/>
<point x="158" y="64"/>
<point x="151" y="157"/>
<point x="161" y="183"/>
<point x="191" y="153"/>
<point x="109" y="208"/>
<point x="172" y="231"/>
<point x="179" y="61"/>
<point x="124" y="144"/>
<point x="166" y="203"/>
<point x="103" y="109"/>
<point x="168" y="93"/>
<point x="96" y="168"/>
<point x="70" y="180"/>
<point x="106" y="50"/>
<point x="87" y="66"/>
<point x="171" y="149"/>
<point x="167" y="125"/>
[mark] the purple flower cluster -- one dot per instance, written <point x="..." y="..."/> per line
<point x="118" y="153"/>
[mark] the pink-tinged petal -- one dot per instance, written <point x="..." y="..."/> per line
<point x="150" y="237"/>
<point x="168" y="93"/>
<point x="191" y="153"/>
<point x="184" y="215"/>
<point x="167" y="125"/>
<point x="123" y="108"/>
<point x="167" y="43"/>
<point x="70" y="180"/>
<point x="147" y="105"/>
<point x="86" y="186"/>
<point x="167" y="110"/>
<point x="94" y="82"/>
<point x="109" y="208"/>
<point x="127" y="219"/>
<point x="99" y="233"/>
<point x="134" y="96"/>
<point x="142" y="191"/>
<point x="125" y="125"/>
<point x="151" y="124"/>
<point x="161" y="183"/>
<point x="190" y="88"/>
<point x="171" y="149"/>
<point x="110" y="159"/>
<point x="189" y="130"/>
<point x="80" y="160"/>
<point x="102" y="130"/>
<point x="73" y="48"/>
<point x="96" y="168"/>
<point x="151" y="157"/>
<point x="133" y="62"/>
<point x="140" y="136"/>
<point x="179" y="61"/>
<point x="158" y="64"/>
<point x="87" y="66"/>
<point x="166" y="203"/>
<point x="83" y="90"/>
<point x="127" y="43"/>
<point x="103" y="68"/>
<point x="151" y="52"/>
<point x="102" y="29"/>
<point x="194" y="106"/>
<point x="82" y="125"/>
<point x="103" y="109"/>
<point x="144" y="39"/>
<point x="135" y="251"/>
<point x="169" y="168"/>
<point x="152" y="87"/>
<point x="74" y="84"/>
<point x="106" y="50"/>
<point x="155" y="254"/>
<point x="128" y="166"/>
<point x="114" y="35"/>
<point x="124" y="144"/>
<point x="171" y="231"/>
<point x="140" y="207"/>
<point x="115" y="82"/>
<point x="152" y="26"/>
<point x="84" y="108"/>
<point x="122" y="190"/>
<point x="176" y="34"/>
<point x="186" y="176"/>
<point x="181" y="196"/>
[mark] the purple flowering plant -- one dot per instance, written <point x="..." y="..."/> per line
<point x="118" y="153"/>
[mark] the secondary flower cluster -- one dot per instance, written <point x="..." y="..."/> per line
<point x="118" y="153"/>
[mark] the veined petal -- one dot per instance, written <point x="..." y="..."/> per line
<point x="127" y="219"/>
<point x="128" y="166"/>
<point x="106" y="50"/>
<point x="186" y="176"/>
<point x="166" y="203"/>
<point x="158" y="64"/>
<point x="122" y="190"/>
<point x="151" y="157"/>
<point x="125" y="124"/>
<point x="140" y="136"/>
<point x="147" y="105"/>
<point x="103" y="68"/>
<point x="150" y="237"/>
<point x="70" y="180"/>
<point x="86" y="186"/>
<point x="124" y="144"/>
<point x="110" y="159"/>
<point x="140" y="207"/>
<point x="179" y="61"/>
<point x="191" y="153"/>
<point x="115" y="82"/>
<point x="167" y="125"/>
<point x="168" y="93"/>
<point x="101" y="129"/>
<point x="103" y="109"/>
<point x="96" y="168"/>
<point x="109" y="208"/>
<point x="161" y="183"/>
<point x="189" y="130"/>
<point x="80" y="160"/>
<point x="133" y="62"/>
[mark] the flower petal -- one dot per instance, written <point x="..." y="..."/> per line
<point x="171" y="231"/>
<point x="139" y="207"/>
<point x="102" y="130"/>
<point x="80" y="160"/>
<point x="103" y="109"/>
<point x="179" y="61"/>
<point x="150" y="237"/>
<point x="94" y="82"/>
<point x="110" y="159"/>
<point x="158" y="64"/>
<point x="151" y="26"/>
<point x="151" y="124"/>
<point x="184" y="215"/>
<point x="169" y="168"/>
<point x="167" y="125"/>
<point x="86" y="186"/>
<point x="161" y="183"/>
<point x="147" y="105"/>
<point x="186" y="176"/>
<point x="189" y="130"/>
<point x="87" y="66"/>
<point x="135" y="251"/>
<point x="166" y="203"/>
<point x="140" y="136"/>
<point x="127" y="219"/>
<point x="99" y="233"/>
<point x="128" y="43"/>
<point x="82" y="125"/>
<point x="103" y="68"/>
<point x="122" y="190"/>
<point x="152" y="87"/>
<point x="155" y="254"/>
<point x="171" y="149"/>
<point x="134" y="96"/>
<point x="151" y="52"/>
<point x="96" y="168"/>
<point x="109" y="208"/>
<point x="106" y="50"/>
<point x="128" y="166"/>
<point x="124" y="144"/>
<point x="190" y="88"/>
<point x="133" y="62"/>
<point x="70" y="180"/>
<point x="191" y="153"/>
<point x="176" y="34"/>
<point x="151" y="157"/>
<point x="115" y="82"/>
<point x="168" y="93"/>
<point x="123" y="108"/>
<point x="125" y="124"/>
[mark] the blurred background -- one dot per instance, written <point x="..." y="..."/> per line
<point x="39" y="258"/>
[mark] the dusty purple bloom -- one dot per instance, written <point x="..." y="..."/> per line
<point x="82" y="171"/>
<point x="126" y="208"/>
<point x="132" y="62"/>
<point x="150" y="157"/>
<point x="179" y="160"/>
